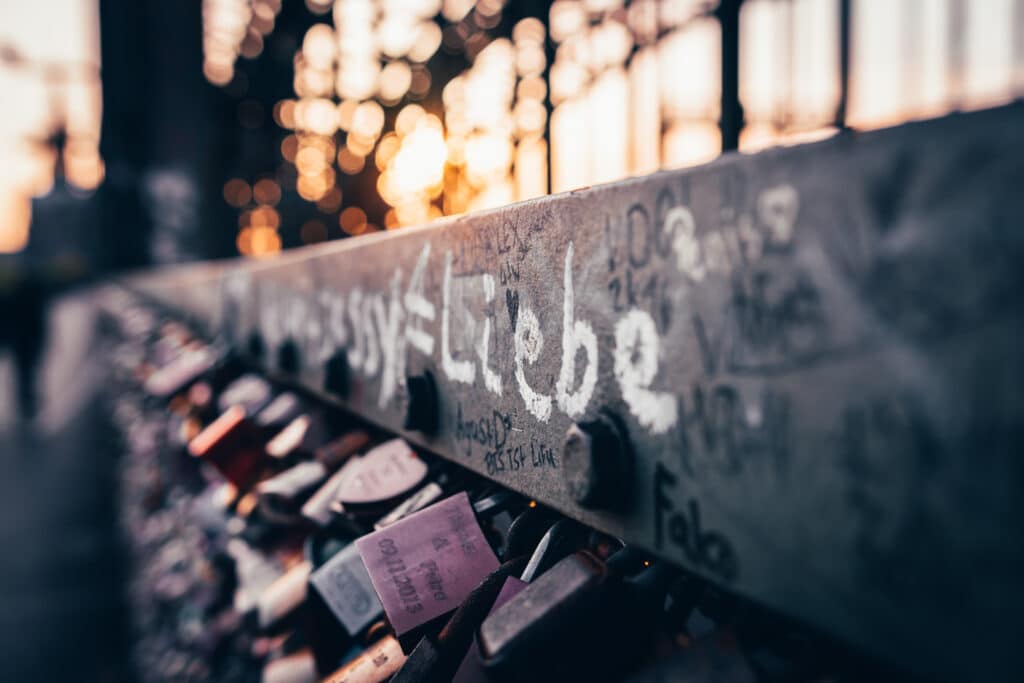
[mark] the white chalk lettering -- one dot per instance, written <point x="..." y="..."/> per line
<point x="492" y="380"/>
<point x="318" y="330"/>
<point x="636" y="363"/>
<point x="375" y="328"/>
<point x="680" y="224"/>
<point x="337" y="330"/>
<point x="529" y="342"/>
<point x="392" y="341"/>
<point x="457" y="370"/>
<point x="576" y="335"/>
<point x="371" y="362"/>
<point x="777" y="208"/>
<point x="418" y="306"/>
<point x="269" y="314"/>
<point x="357" y="351"/>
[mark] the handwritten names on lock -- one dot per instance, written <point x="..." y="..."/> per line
<point x="425" y="565"/>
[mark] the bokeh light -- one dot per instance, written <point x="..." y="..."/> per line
<point x="592" y="92"/>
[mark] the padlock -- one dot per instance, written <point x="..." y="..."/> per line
<point x="563" y="538"/>
<point x="179" y="373"/>
<point x="297" y="667"/>
<point x="299" y="438"/>
<point x="337" y="452"/>
<point x="342" y="605"/>
<point x="318" y="508"/>
<point x="232" y="445"/>
<point x="250" y="391"/>
<point x="546" y="622"/>
<point x="424" y="497"/>
<point x="281" y="410"/>
<point x="578" y="606"/>
<point x="282" y="495"/>
<point x="278" y="604"/>
<point x="376" y="664"/>
<point x="435" y="658"/>
<point x="423" y="566"/>
<point x="380" y="478"/>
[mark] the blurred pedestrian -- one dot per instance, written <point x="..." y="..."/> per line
<point x="24" y="332"/>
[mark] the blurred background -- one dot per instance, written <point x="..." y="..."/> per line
<point x="149" y="132"/>
<point x="144" y="132"/>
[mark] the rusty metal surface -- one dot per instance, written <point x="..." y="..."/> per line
<point x="813" y="353"/>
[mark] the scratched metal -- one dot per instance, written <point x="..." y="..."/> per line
<point x="815" y="352"/>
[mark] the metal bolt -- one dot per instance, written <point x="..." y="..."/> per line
<point x="578" y="465"/>
<point x="288" y="357"/>
<point x="421" y="413"/>
<point x="336" y="374"/>
<point x="596" y="464"/>
<point x="255" y="346"/>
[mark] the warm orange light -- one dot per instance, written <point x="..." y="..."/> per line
<point x="310" y="161"/>
<point x="349" y="162"/>
<point x="347" y="112"/>
<point x="266" y="191"/>
<point x="313" y="187"/>
<point x="244" y="241"/>
<point x="331" y="201"/>
<point x="265" y="217"/>
<point x="488" y="158"/>
<point x="313" y="231"/>
<point x="359" y="145"/>
<point x="395" y="80"/>
<point x="317" y="115"/>
<point x="530" y="117"/>
<point x="289" y="147"/>
<point x="237" y="192"/>
<point x="691" y="144"/>
<point x="319" y="46"/>
<point x="257" y="242"/>
<point x="357" y="79"/>
<point x="407" y="118"/>
<point x="353" y="220"/>
<point x="83" y="166"/>
<point x="386" y="150"/>
<point x="265" y="242"/>
<point x="428" y="39"/>
<point x="566" y="18"/>
<point x="531" y="168"/>
<point x="529" y="30"/>
<point x="532" y="88"/>
<point x="421" y="80"/>
<point x="396" y="34"/>
<point x="284" y="114"/>
<point x="419" y="162"/>
<point x="15" y="218"/>
<point x="368" y="120"/>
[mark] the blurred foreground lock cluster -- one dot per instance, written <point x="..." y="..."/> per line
<point x="274" y="537"/>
